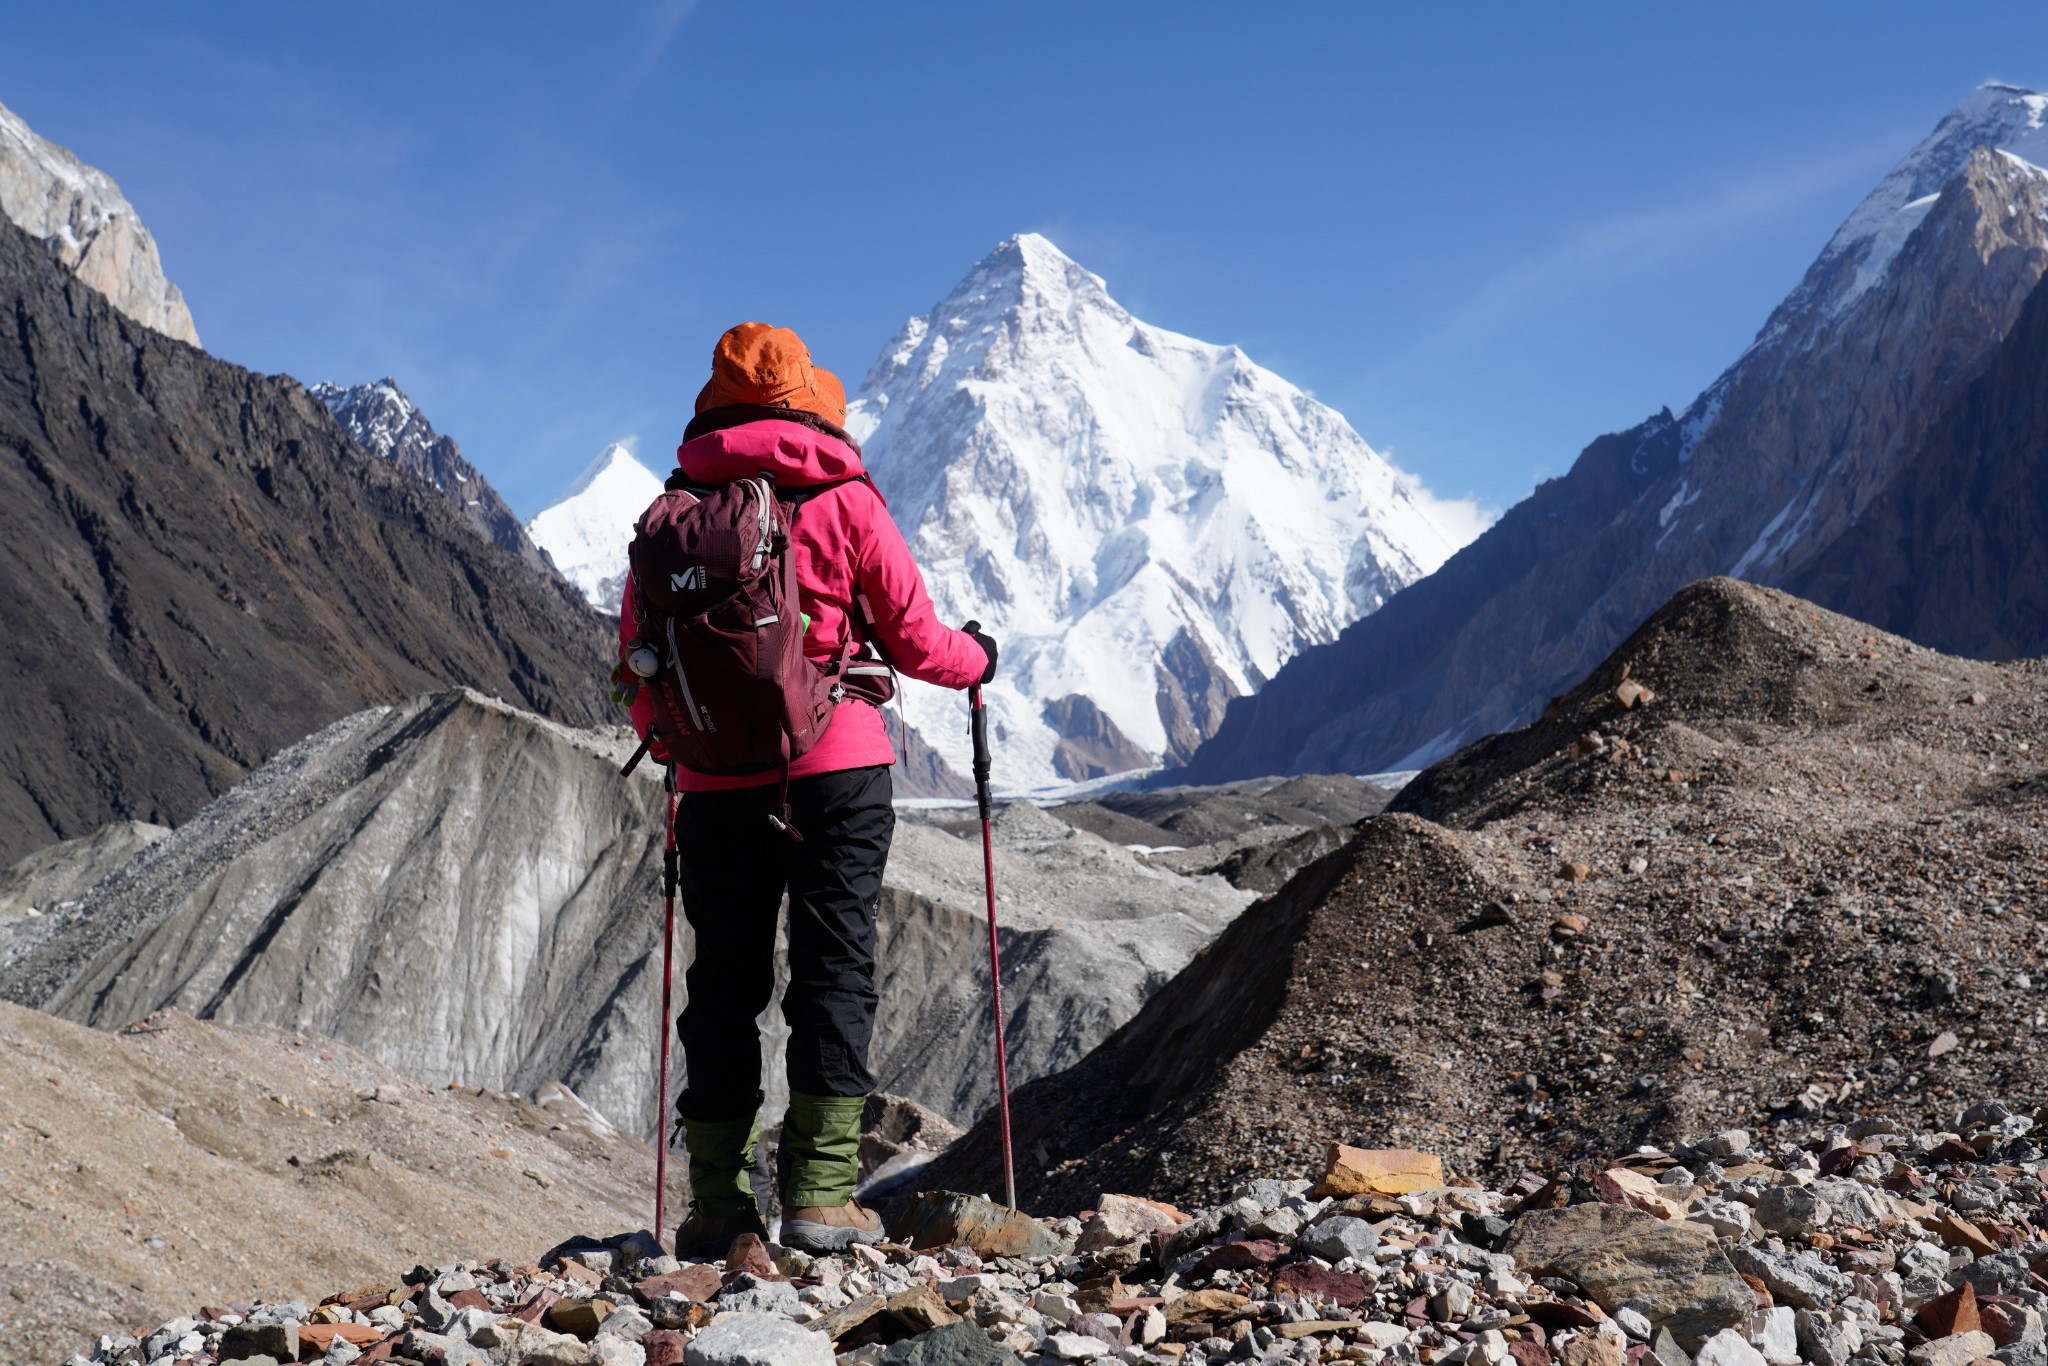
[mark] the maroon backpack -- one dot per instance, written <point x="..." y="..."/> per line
<point x="719" y="633"/>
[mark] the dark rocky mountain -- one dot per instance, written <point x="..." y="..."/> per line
<point x="1802" y="465"/>
<point x="1954" y="553"/>
<point x="384" y="422"/>
<point x="198" y="567"/>
<point x="1798" y="878"/>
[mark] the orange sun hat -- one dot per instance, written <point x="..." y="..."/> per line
<point x="770" y="367"/>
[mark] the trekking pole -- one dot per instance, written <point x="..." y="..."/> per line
<point x="978" y="716"/>
<point x="671" y="874"/>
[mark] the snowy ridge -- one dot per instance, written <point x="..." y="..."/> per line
<point x="383" y="421"/>
<point x="587" y="529"/>
<point x="89" y="225"/>
<point x="1149" y="523"/>
<point x="2006" y="118"/>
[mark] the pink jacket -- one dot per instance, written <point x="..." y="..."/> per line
<point x="845" y="542"/>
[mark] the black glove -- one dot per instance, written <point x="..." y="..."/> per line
<point x="988" y="647"/>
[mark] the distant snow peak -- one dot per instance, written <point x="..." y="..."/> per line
<point x="586" y="530"/>
<point x="1152" y="523"/>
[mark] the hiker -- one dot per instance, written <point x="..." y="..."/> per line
<point x="768" y="411"/>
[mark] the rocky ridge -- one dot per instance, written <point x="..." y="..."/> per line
<point x="1858" y="1242"/>
<point x="383" y="421"/>
<point x="1764" y="863"/>
<point x="1779" y="462"/>
<point x="470" y="892"/>
<point x="88" y="227"/>
<point x="198" y="568"/>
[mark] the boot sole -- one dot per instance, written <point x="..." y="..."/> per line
<point x="806" y="1236"/>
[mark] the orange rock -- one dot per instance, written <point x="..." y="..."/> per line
<point x="1621" y="1186"/>
<point x="315" y="1338"/>
<point x="1378" y="1171"/>
<point x="1632" y="694"/>
<point x="1955" y="1312"/>
<point x="1956" y="1231"/>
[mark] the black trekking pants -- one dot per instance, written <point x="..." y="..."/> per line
<point x="735" y="869"/>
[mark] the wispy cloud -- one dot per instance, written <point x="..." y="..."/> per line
<point x="1656" y="236"/>
<point x="663" y="19"/>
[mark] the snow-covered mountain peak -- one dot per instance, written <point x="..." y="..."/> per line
<point x="1153" y="523"/>
<point x="378" y="416"/>
<point x="383" y="421"/>
<point x="587" y="529"/>
<point x="2006" y="118"/>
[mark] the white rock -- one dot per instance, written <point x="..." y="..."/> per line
<point x="1382" y="1335"/>
<point x="1775" y="1333"/>
<point x="1727" y="1348"/>
<point x="1957" y="1349"/>
<point x="1057" y="1307"/>
<point x="1074" y="1347"/>
<point x="757" y="1340"/>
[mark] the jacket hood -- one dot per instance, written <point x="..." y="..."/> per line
<point x="792" y="454"/>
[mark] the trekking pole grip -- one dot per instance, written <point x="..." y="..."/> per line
<point x="978" y="716"/>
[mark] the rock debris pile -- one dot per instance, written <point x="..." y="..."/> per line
<point x="1861" y="1243"/>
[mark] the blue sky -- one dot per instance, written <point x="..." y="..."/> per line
<point x="1485" y="233"/>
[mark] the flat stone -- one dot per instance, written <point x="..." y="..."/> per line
<point x="1671" y="1271"/>
<point x="1310" y="1328"/>
<point x="1382" y="1335"/>
<point x="1208" y="1306"/>
<point x="952" y="1344"/>
<point x="1342" y="1288"/>
<point x="758" y="1340"/>
<point x="696" y="1281"/>
<point x="1378" y="1171"/>
<point x="1958" y="1349"/>
<point x="950" y="1219"/>
<point x="1075" y="1347"/>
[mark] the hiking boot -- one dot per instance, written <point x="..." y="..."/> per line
<point x="705" y="1237"/>
<point x="819" y="1229"/>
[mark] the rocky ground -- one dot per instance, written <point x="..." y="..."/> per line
<point x="1797" y="875"/>
<point x="1852" y="1243"/>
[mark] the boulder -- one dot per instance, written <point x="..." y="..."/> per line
<point x="951" y="1219"/>
<point x="1671" y="1271"/>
